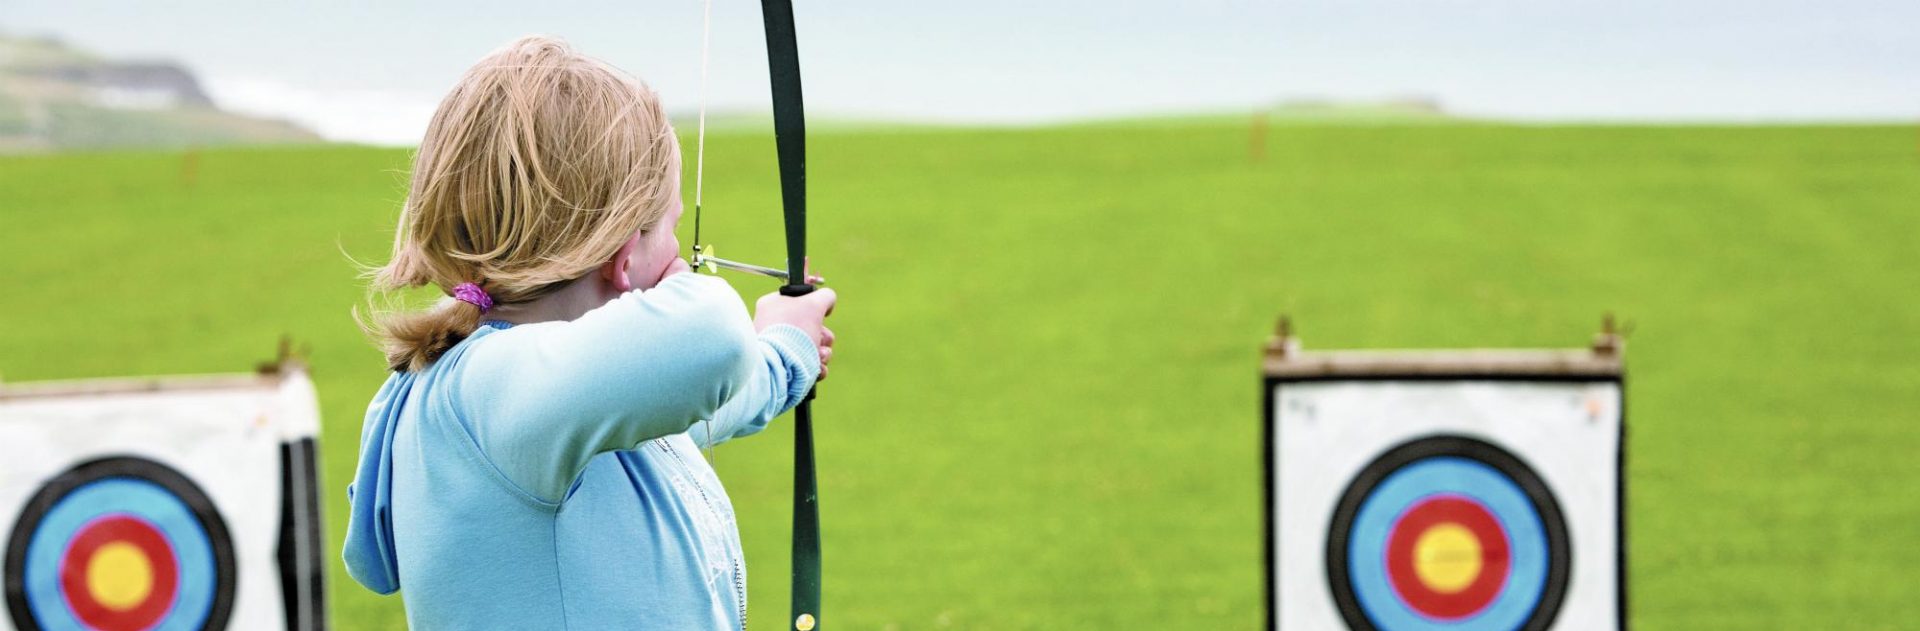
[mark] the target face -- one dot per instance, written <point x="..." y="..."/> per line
<point x="1447" y="532"/>
<point x="120" y="544"/>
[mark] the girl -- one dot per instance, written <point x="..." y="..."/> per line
<point x="534" y="460"/>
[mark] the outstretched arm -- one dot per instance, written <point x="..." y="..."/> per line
<point x="789" y="365"/>
<point x="541" y="399"/>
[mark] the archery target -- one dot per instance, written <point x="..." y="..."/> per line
<point x="1447" y="531"/>
<point x="1445" y="504"/>
<point x="173" y="504"/>
<point x="120" y="544"/>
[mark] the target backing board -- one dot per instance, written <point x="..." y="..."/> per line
<point x="178" y="503"/>
<point x="1445" y="490"/>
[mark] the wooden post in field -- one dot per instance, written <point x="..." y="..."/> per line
<point x="190" y="167"/>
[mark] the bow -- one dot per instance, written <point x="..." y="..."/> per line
<point x="790" y="137"/>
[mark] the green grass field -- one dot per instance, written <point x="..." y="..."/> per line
<point x="1044" y="409"/>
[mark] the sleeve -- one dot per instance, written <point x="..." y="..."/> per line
<point x="544" y="400"/>
<point x="789" y="364"/>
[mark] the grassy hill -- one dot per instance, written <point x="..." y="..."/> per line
<point x="1044" y="411"/>
<point x="55" y="97"/>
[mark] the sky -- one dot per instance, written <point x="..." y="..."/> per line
<point x="372" y="71"/>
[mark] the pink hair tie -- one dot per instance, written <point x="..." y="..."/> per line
<point x="473" y="294"/>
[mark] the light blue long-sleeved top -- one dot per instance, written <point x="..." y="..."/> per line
<point x="548" y="476"/>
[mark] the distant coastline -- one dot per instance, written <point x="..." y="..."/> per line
<point x="54" y="97"/>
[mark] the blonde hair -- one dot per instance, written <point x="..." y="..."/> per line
<point x="535" y="169"/>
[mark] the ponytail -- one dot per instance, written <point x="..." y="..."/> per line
<point x="413" y="340"/>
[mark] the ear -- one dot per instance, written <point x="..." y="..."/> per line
<point x="615" y="269"/>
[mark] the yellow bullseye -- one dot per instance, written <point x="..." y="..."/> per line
<point x="119" y="576"/>
<point x="1447" y="558"/>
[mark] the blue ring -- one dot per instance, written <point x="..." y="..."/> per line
<point x="1424" y="478"/>
<point x="195" y="570"/>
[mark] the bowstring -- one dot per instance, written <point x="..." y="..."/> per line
<point x="700" y="165"/>
<point x="700" y="155"/>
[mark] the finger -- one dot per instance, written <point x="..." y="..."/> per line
<point x="826" y="336"/>
<point x="823" y="374"/>
<point x="812" y="278"/>
<point x="828" y="296"/>
<point x="826" y="356"/>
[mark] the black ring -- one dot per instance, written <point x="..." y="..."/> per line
<point x="1559" y="552"/>
<point x="225" y="572"/>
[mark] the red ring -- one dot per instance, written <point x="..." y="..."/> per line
<point x="1494" y="560"/>
<point x="118" y="528"/>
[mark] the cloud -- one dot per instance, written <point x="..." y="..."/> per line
<point x="377" y="117"/>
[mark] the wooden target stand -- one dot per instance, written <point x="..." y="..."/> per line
<point x="1451" y="489"/>
<point x="168" y="502"/>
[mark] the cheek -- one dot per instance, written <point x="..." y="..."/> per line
<point x="669" y="244"/>
<point x="649" y="261"/>
<point x="665" y="249"/>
